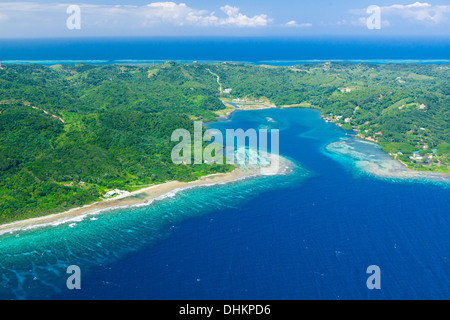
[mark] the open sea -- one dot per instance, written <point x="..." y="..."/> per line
<point x="259" y="50"/>
<point x="311" y="234"/>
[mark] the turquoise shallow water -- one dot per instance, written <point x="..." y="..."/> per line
<point x="34" y="262"/>
<point x="308" y="235"/>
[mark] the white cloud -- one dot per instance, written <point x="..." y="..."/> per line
<point x="35" y="19"/>
<point x="240" y="20"/>
<point x="173" y="13"/>
<point x="414" y="5"/>
<point x="360" y="22"/>
<point x="181" y="14"/>
<point x="177" y="14"/>
<point x="414" y="12"/>
<point x="293" y="23"/>
<point x="419" y="11"/>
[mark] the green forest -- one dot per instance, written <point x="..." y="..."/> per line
<point x="70" y="133"/>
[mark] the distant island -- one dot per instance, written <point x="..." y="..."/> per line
<point x="76" y="134"/>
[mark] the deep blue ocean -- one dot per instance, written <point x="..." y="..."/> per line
<point x="307" y="235"/>
<point x="280" y="51"/>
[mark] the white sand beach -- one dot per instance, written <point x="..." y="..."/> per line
<point x="142" y="197"/>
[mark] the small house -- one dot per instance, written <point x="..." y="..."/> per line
<point x="110" y="194"/>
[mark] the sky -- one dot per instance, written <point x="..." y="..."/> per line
<point x="106" y="18"/>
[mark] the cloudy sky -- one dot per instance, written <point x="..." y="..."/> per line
<point x="47" y="18"/>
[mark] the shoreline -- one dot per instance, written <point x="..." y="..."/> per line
<point x="416" y="174"/>
<point x="147" y="195"/>
<point x="270" y="63"/>
<point x="406" y="168"/>
<point x="384" y="166"/>
<point x="402" y="173"/>
<point x="141" y="197"/>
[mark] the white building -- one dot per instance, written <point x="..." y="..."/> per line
<point x="110" y="194"/>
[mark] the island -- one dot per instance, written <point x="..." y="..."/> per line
<point x="73" y="135"/>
